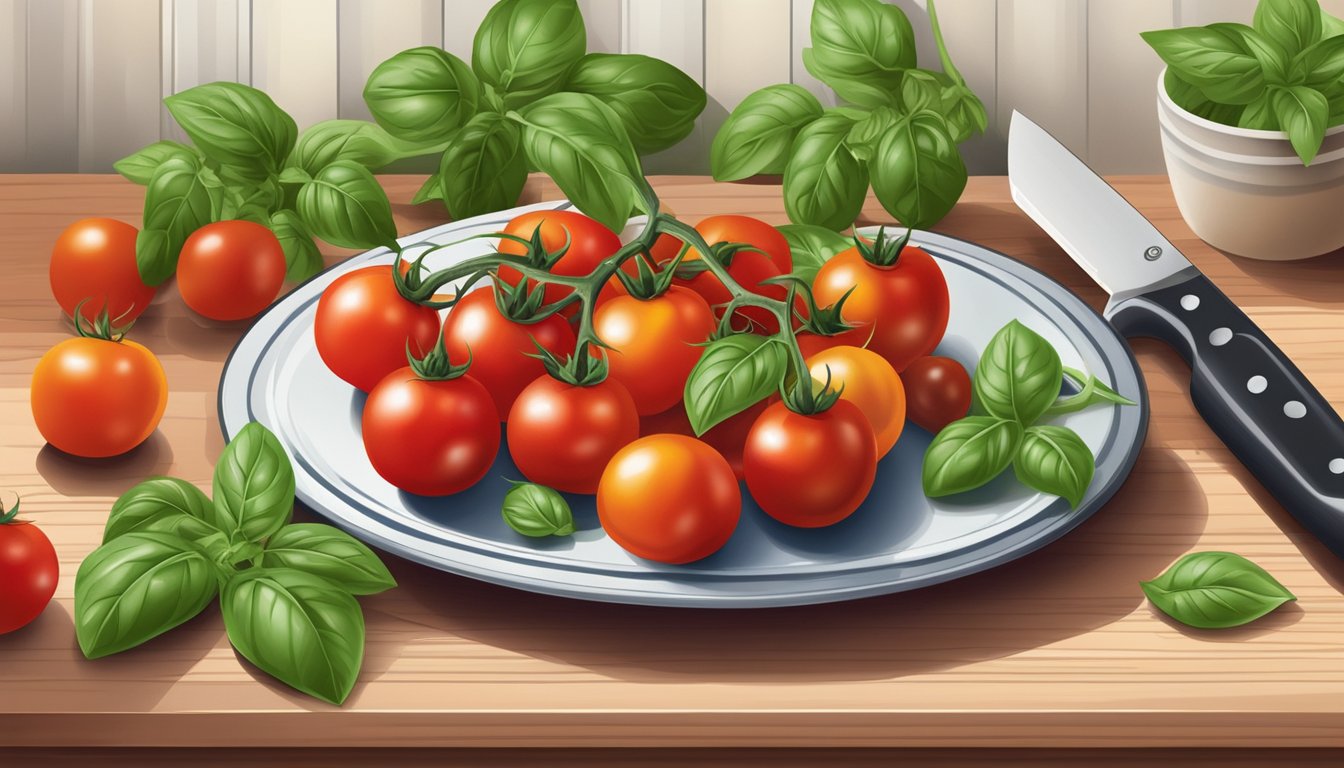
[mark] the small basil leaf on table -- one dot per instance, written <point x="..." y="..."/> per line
<point x="253" y="485"/>
<point x="758" y="135"/>
<point x="1302" y="113"/>
<point x="302" y="258"/>
<point x="537" y="511"/>
<point x="344" y="205"/>
<point x="1291" y="24"/>
<point x="1019" y="375"/>
<point x="484" y="167"/>
<point x="1055" y="460"/>
<point x="300" y="628"/>
<point x="235" y="125"/>
<point x="657" y="102"/>
<point x="917" y="172"/>
<point x="163" y="504"/>
<point x="525" y="48"/>
<point x="811" y="247"/>
<point x="331" y="553"/>
<point x="1215" y="59"/>
<point x="1215" y="590"/>
<point x="824" y="184"/>
<point x="178" y="201"/>
<point x="968" y="453"/>
<point x="138" y="586"/>
<point x="860" y="49"/>
<point x="733" y="374"/>
<point x="422" y="94"/>
<point x="139" y="166"/>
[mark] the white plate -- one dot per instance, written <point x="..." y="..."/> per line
<point x="897" y="540"/>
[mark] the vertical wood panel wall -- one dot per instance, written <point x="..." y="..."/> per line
<point x="81" y="80"/>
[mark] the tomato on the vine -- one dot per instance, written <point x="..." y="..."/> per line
<point x="669" y="498"/>
<point x="93" y="261"/>
<point x="728" y="437"/>
<point x="28" y="569"/>
<point x="867" y="380"/>
<point x="938" y="392"/>
<point x="563" y="434"/>
<point x="230" y="270"/>
<point x="731" y="228"/>
<point x="364" y="327"/>
<point x="589" y="243"/>
<point x="654" y="343"/>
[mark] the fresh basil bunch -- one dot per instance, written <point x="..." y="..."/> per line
<point x="528" y="57"/>
<point x="1016" y="384"/>
<point x="1283" y="73"/>
<point x="898" y="132"/>
<point x="286" y="590"/>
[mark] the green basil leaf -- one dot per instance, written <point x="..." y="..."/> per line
<point x="355" y="140"/>
<point x="253" y="485"/>
<point x="1331" y="26"/>
<point x="824" y="184"/>
<point x="178" y="201"/>
<point x="1019" y="375"/>
<point x="1092" y="391"/>
<point x="432" y="189"/>
<point x="162" y="504"/>
<point x="811" y="247"/>
<point x="917" y="172"/>
<point x="1055" y="460"/>
<point x="964" y="111"/>
<point x="302" y="257"/>
<point x="1274" y="60"/>
<point x="139" y="166"/>
<point x="484" y="168"/>
<point x="155" y="255"/>
<point x="733" y="374"/>
<point x="235" y="125"/>
<point x="1322" y="65"/>
<point x="1189" y="97"/>
<point x="1259" y="114"/>
<point x="136" y="587"/>
<point x="253" y="201"/>
<point x="299" y="628"/>
<point x="525" y="48"/>
<point x="331" y="553"/>
<point x="867" y="134"/>
<point x="1303" y="114"/>
<point x="1293" y="25"/>
<point x="922" y="89"/>
<point x="1214" y="58"/>
<point x="345" y="206"/>
<point x="422" y="94"/>
<point x="968" y="453"/>
<point x="537" y="511"/>
<point x="657" y="102"/>
<point x="1215" y="590"/>
<point x="758" y="135"/>
<point x="860" y="48"/>
<point x="582" y="145"/>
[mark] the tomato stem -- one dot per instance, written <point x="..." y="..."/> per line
<point x="101" y="327"/>
<point x="7" y="515"/>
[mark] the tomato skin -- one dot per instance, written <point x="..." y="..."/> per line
<point x="430" y="438"/>
<point x="500" y="349"/>
<point x="563" y="435"/>
<point x="363" y="327"/>
<point x="94" y="259"/>
<point x="903" y="307"/>
<point x="29" y="570"/>
<point x="230" y="270"/>
<point x="590" y="243"/>
<point x="870" y="383"/>
<point x="938" y="392"/>
<point x="654" y="343"/>
<point x="810" y="471"/>
<point x="813" y="343"/>
<point x="728" y="437"/>
<point x="731" y="228"/>
<point x="96" y="398"/>
<point x="669" y="498"/>
<point x="749" y="269"/>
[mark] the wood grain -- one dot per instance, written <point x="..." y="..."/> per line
<point x="1057" y="649"/>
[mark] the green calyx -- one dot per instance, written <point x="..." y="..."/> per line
<point x="520" y="302"/>
<point x="535" y="252"/>
<point x="648" y="283"/>
<point x="435" y="365"/>
<point x="883" y="250"/>
<point x="101" y="327"/>
<point x="811" y="397"/>
<point x="7" y="516"/>
<point x="579" y="369"/>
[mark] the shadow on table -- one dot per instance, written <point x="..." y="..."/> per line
<point x="75" y="476"/>
<point x="1311" y="280"/>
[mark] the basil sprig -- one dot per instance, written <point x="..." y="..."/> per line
<point x="1215" y="590"/>
<point x="286" y="589"/>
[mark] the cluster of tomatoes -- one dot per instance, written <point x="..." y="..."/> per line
<point x="614" y="422"/>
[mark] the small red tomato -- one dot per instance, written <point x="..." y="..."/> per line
<point x="750" y="270"/>
<point x="93" y="262"/>
<point x="654" y="343"/>
<point x="230" y="270"/>
<point x="731" y="228"/>
<point x="589" y="244"/>
<point x="28" y="570"/>
<point x="937" y="391"/>
<point x="728" y="437"/>
<point x="563" y="435"/>
<point x="363" y="327"/>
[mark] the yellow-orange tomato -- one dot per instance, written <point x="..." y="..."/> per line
<point x="871" y="384"/>
<point x="654" y="343"/>
<point x="669" y="498"/>
<point x="95" y="398"/>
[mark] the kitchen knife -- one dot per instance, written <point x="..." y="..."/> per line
<point x="1243" y="385"/>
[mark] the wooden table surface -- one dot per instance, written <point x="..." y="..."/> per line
<point x="1058" y="649"/>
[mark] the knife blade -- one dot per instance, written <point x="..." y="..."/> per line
<point x="1247" y="390"/>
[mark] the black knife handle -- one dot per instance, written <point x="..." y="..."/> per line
<point x="1252" y="396"/>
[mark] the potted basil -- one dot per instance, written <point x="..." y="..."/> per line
<point x="1252" y="126"/>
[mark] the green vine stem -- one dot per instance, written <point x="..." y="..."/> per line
<point x="8" y="516"/>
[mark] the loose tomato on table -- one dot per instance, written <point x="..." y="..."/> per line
<point x="93" y="261"/>
<point x="562" y="434"/>
<point x="867" y="380"/>
<point x="364" y="327"/>
<point x="230" y="270"/>
<point x="588" y="241"/>
<point x="28" y="570"/>
<point x="728" y="437"/>
<point x="938" y="392"/>
<point x="654" y="343"/>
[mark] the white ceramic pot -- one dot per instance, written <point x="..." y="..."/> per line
<point x="1246" y="192"/>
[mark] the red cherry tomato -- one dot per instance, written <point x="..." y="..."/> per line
<point x="94" y="259"/>
<point x="563" y="435"/>
<point x="654" y="343"/>
<point x="430" y="437"/>
<point x="363" y="327"/>
<point x="669" y="498"/>
<point x="728" y="437"/>
<point x="938" y="392"/>
<point x="28" y="570"/>
<point x="589" y="244"/>
<point x="732" y="229"/>
<point x="750" y="270"/>
<point x="230" y="270"/>
<point x="501" y="350"/>
<point x="97" y="398"/>
<point x="810" y="471"/>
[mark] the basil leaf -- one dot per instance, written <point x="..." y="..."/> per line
<point x="824" y="184"/>
<point x="345" y="206"/>
<point x="1322" y="65"/>
<point x="177" y="203"/>
<point x="1259" y="114"/>
<point x="139" y="166"/>
<point x="1189" y="97"/>
<point x="1214" y="58"/>
<point x="922" y="89"/>
<point x="759" y="133"/>
<point x="235" y="125"/>
<point x="917" y="172"/>
<point x="968" y="453"/>
<point x="860" y="48"/>
<point x="333" y="554"/>
<point x="525" y="48"/>
<point x="1331" y="26"/>
<point x="1291" y="24"/>
<point x="300" y="628"/>
<point x="1019" y="375"/>
<point x="484" y="168"/>
<point x="1092" y="391"/>
<point x="432" y="189"/>
<point x="138" y="586"/>
<point x="657" y="102"/>
<point x="964" y="111"/>
<point x="1055" y="460"/>
<point x="582" y="145"/>
<point x="1302" y="113"/>
<point x="422" y="94"/>
<point x="537" y="511"/>
<point x="253" y="201"/>
<point x="1215" y="590"/>
<point x="811" y="247"/>
<point x="253" y="485"/>
<point x="733" y="374"/>
<point x="162" y="504"/>
<point x="302" y="258"/>
<point x="365" y="143"/>
<point x="867" y="134"/>
<point x="1274" y="60"/>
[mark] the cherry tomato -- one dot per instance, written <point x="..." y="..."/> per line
<point x="900" y="310"/>
<point x="94" y="259"/>
<point x="750" y="270"/>
<point x="589" y="244"/>
<point x="363" y="327"/>
<point x="810" y="471"/>
<point x="563" y="435"/>
<point x="869" y="382"/>
<point x="230" y="270"/>
<point x="669" y="498"/>
<point x="938" y="392"/>
<point x="95" y="398"/>
<point x="732" y="229"/>
<point x="28" y="569"/>
<point x="500" y="349"/>
<point x="728" y="437"/>
<point x="654" y="343"/>
<point x="430" y="437"/>
<point x="812" y="343"/>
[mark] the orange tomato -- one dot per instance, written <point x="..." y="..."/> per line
<point x="96" y="398"/>
<point x="870" y="383"/>
<point x="94" y="260"/>
<point x="654" y="343"/>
